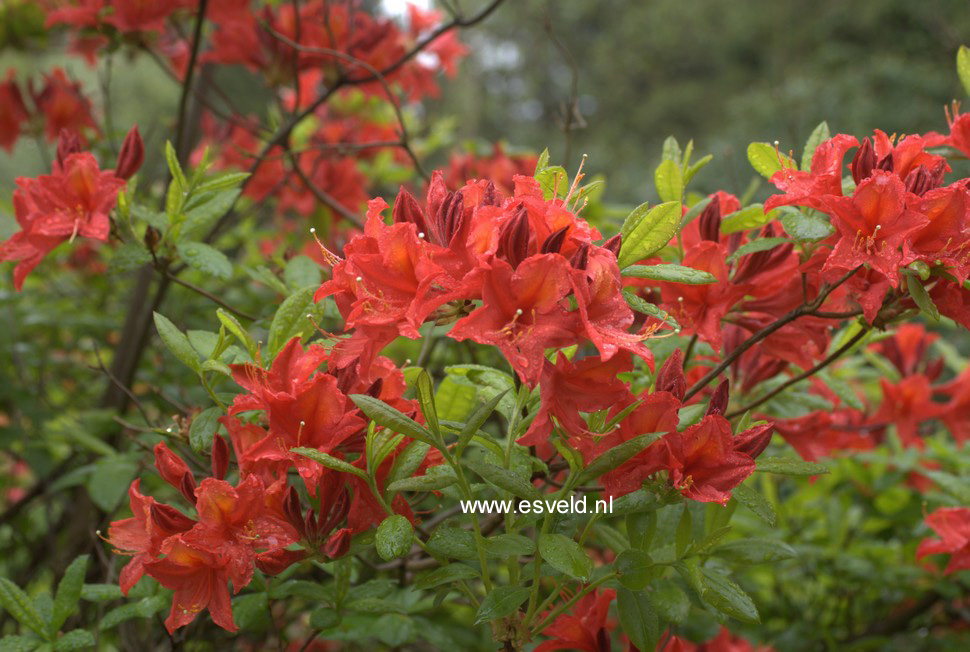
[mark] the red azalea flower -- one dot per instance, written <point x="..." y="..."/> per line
<point x="63" y="106"/>
<point x="14" y="113"/>
<point x="567" y="388"/>
<point x="873" y="223"/>
<point x="143" y="15"/>
<point x="946" y="238"/>
<point x="586" y="628"/>
<point x="700" y="308"/>
<point x="522" y="312"/>
<point x="823" y="180"/>
<point x="75" y="200"/>
<point x="956" y="412"/>
<point x="952" y="525"/>
<point x="200" y="580"/>
<point x="907" y="404"/>
<point x="820" y="434"/>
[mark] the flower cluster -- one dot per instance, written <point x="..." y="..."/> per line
<point x="74" y="200"/>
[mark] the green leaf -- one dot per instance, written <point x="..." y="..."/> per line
<point x="647" y="308"/>
<point x="101" y="592"/>
<point x="129" y="256"/>
<point x="425" y="391"/>
<point x="394" y="537"/>
<point x="302" y="271"/>
<point x="749" y="217"/>
<point x="453" y="542"/>
<point x="176" y="342"/>
<point x="204" y="211"/>
<point x="803" y="226"/>
<point x="454" y="400"/>
<point x="395" y="630"/>
<point x="206" y="259"/>
<point x="144" y="608"/>
<point x="505" y="479"/>
<point x="384" y="415"/>
<point x="329" y="461"/>
<point x="408" y="461"/>
<point x="670" y="273"/>
<point x="922" y="298"/>
<point x="950" y="484"/>
<point x="502" y="601"/>
<point x="789" y="466"/>
<point x="250" y="611"/>
<point x="476" y="420"/>
<point x="638" y="618"/>
<point x="669" y="181"/>
<point x="509" y="545"/>
<point x="755" y="551"/>
<point x="290" y="319"/>
<point x="428" y="482"/>
<point x="766" y="159"/>
<point x="756" y="503"/>
<point x="671" y="150"/>
<point x="649" y="231"/>
<point x="454" y="572"/>
<point x="553" y="180"/>
<point x="171" y="158"/>
<point x="727" y="597"/>
<point x="18" y="605"/>
<point x="109" y="480"/>
<point x="761" y="244"/>
<point x="542" y="162"/>
<point x="669" y="600"/>
<point x="68" y="592"/>
<point x="617" y="456"/>
<point x="233" y="326"/>
<point x="819" y="135"/>
<point x="963" y="67"/>
<point x="220" y="182"/>
<point x="684" y="532"/>
<point x="324" y="618"/>
<point x="15" y="643"/>
<point x="203" y="429"/>
<point x="696" y="167"/>
<point x="633" y="568"/>
<point x="565" y="555"/>
<point x="76" y="639"/>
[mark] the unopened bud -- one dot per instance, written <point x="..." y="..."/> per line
<point x="220" y="457"/>
<point x="338" y="544"/>
<point x="67" y="143"/>
<point x="719" y="399"/>
<point x="407" y="210"/>
<point x="514" y="238"/>
<point x="671" y="377"/>
<point x="709" y="223"/>
<point x="863" y="162"/>
<point x="170" y="520"/>
<point x="614" y="244"/>
<point x="580" y="258"/>
<point x="886" y="163"/>
<point x="131" y="155"/>
<point x="293" y="511"/>
<point x="490" y="196"/>
<point x="553" y="244"/>
<point x="187" y="487"/>
<point x="450" y="216"/>
<point x="754" y="441"/>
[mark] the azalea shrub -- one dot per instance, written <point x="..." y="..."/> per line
<point x="277" y="383"/>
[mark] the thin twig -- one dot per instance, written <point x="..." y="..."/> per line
<point x="208" y="295"/>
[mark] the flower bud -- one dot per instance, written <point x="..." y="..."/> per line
<point x="755" y="440"/>
<point x="310" y="524"/>
<point x="553" y="244"/>
<point x="338" y="512"/>
<point x="513" y="243"/>
<point x="719" y="399"/>
<point x="170" y="520"/>
<point x="67" y="143"/>
<point x="293" y="511"/>
<point x="375" y="388"/>
<point x="274" y="562"/>
<point x="220" y="457"/>
<point x="490" y="196"/>
<point x="338" y="544"/>
<point x="580" y="258"/>
<point x="613" y="244"/>
<point x="131" y="155"/>
<point x="671" y="377"/>
<point x="863" y="162"/>
<point x="886" y="163"/>
<point x="709" y="224"/>
<point x="170" y="466"/>
<point x="451" y="215"/>
<point x="406" y="209"/>
<point x="187" y="487"/>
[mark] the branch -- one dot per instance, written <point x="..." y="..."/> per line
<point x="800" y="377"/>
<point x="180" y="127"/>
<point x="804" y="309"/>
<point x="321" y="195"/>
<point x="208" y="295"/>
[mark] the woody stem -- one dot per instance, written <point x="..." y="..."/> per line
<point x="800" y="311"/>
<point x="835" y="355"/>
